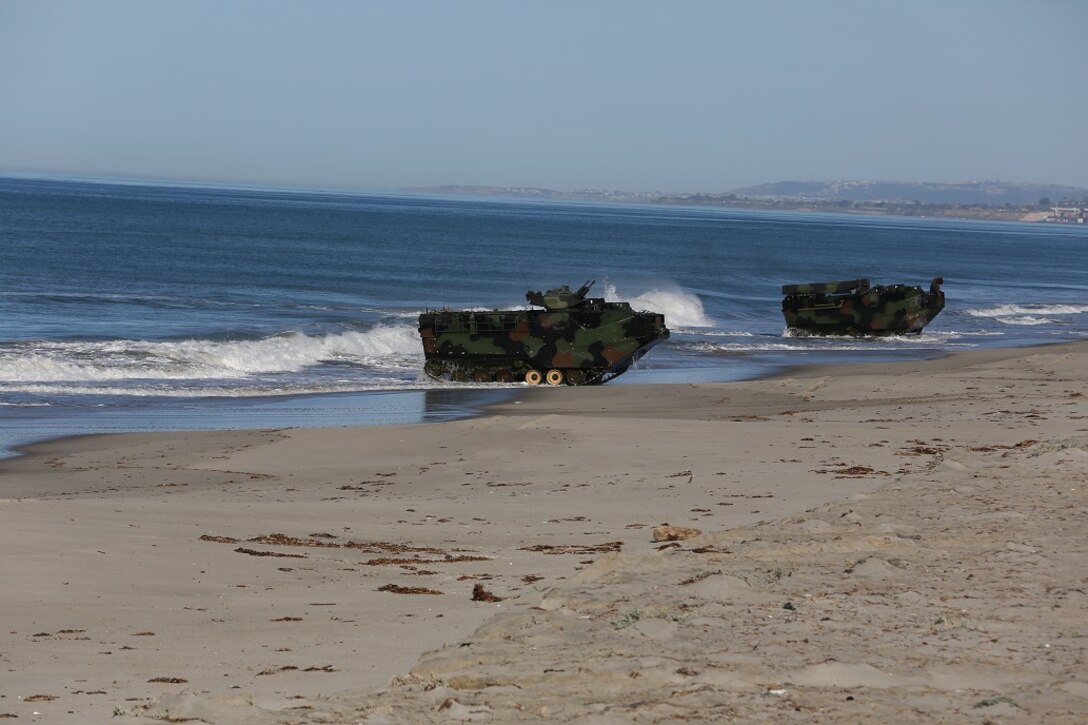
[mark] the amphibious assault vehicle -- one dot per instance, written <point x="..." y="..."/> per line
<point x="853" y="307"/>
<point x="575" y="339"/>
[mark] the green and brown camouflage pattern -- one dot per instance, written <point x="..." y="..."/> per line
<point x="574" y="340"/>
<point x="853" y="307"/>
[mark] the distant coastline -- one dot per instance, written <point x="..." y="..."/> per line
<point x="992" y="201"/>
<point x="982" y="200"/>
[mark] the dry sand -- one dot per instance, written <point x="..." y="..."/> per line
<point x="882" y="543"/>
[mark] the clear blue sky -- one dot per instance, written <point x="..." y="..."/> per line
<point x="565" y="94"/>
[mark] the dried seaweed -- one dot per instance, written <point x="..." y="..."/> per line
<point x="321" y="541"/>
<point x="576" y="549"/>
<point x="285" y="668"/>
<point x="254" y="552"/>
<point x="479" y="594"/>
<point x="396" y="589"/>
<point x="391" y="561"/>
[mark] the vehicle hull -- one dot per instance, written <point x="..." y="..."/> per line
<point x="587" y="344"/>
<point x="855" y="308"/>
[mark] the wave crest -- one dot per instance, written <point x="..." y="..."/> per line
<point x="120" y="360"/>
<point x="1012" y="311"/>
<point x="1025" y="320"/>
<point x="681" y="309"/>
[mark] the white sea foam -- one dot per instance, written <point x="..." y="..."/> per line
<point x="826" y="344"/>
<point x="791" y="341"/>
<point x="1013" y="311"/>
<point x="717" y="333"/>
<point x="131" y="360"/>
<point x="1026" y="320"/>
<point x="681" y="309"/>
<point x="713" y="347"/>
<point x="924" y="339"/>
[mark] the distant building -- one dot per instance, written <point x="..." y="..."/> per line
<point x="1068" y="214"/>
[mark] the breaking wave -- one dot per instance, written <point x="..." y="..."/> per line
<point x="1027" y="315"/>
<point x="394" y="347"/>
<point x="1029" y="309"/>
<point x="681" y="309"/>
<point x="1027" y="320"/>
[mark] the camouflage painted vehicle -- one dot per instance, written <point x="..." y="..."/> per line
<point x="574" y="340"/>
<point x="854" y="308"/>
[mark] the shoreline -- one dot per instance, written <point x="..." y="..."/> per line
<point x="23" y="450"/>
<point x="243" y="576"/>
<point x="943" y="362"/>
<point x="475" y="400"/>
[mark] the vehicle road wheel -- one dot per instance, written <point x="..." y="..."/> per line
<point x="504" y="376"/>
<point x="481" y="376"/>
<point x="576" y="377"/>
<point x="434" y="369"/>
<point x="533" y="377"/>
<point x="459" y="376"/>
<point x="554" y="377"/>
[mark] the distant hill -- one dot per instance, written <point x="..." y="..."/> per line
<point x="991" y="193"/>
<point x="992" y="200"/>
<point x="534" y="192"/>
<point x="967" y="193"/>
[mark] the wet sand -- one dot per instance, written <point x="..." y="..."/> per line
<point x="885" y="542"/>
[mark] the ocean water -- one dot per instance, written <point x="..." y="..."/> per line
<point x="139" y="307"/>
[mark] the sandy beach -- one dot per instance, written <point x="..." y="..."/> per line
<point x="898" y="542"/>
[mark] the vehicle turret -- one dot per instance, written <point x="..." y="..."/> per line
<point x="560" y="298"/>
